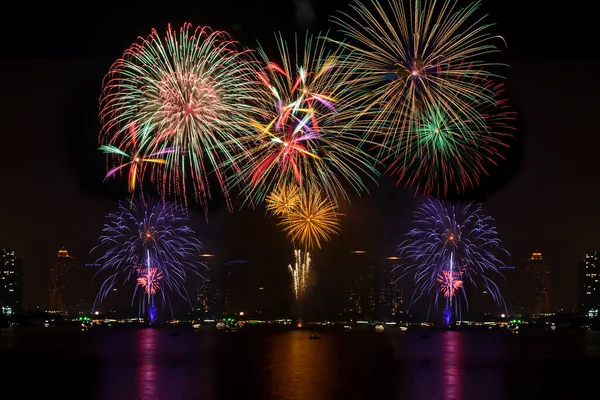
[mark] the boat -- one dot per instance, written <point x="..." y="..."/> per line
<point x="314" y="337"/>
<point x="196" y="325"/>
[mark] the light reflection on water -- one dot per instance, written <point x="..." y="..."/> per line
<point x="300" y="368"/>
<point x="182" y="364"/>
<point x="147" y="369"/>
<point x="452" y="370"/>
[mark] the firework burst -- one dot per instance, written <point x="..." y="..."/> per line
<point x="419" y="57"/>
<point x="440" y="157"/>
<point x="192" y="90"/>
<point x="450" y="282"/>
<point x="283" y="199"/>
<point x="450" y="246"/>
<point x="149" y="280"/>
<point x="313" y="221"/>
<point x="151" y="244"/>
<point x="307" y="132"/>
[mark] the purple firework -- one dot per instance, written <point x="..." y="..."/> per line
<point x="451" y="245"/>
<point x="147" y="236"/>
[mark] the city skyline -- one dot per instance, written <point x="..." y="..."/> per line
<point x="376" y="289"/>
<point x="61" y="199"/>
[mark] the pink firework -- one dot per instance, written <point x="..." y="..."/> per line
<point x="150" y="279"/>
<point x="450" y="282"/>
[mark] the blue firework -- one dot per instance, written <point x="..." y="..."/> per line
<point x="452" y="247"/>
<point x="148" y="242"/>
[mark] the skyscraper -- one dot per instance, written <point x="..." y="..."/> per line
<point x="204" y="302"/>
<point x="11" y="282"/>
<point x="361" y="293"/>
<point x="235" y="287"/>
<point x="534" y="286"/>
<point x="588" y="285"/>
<point x="391" y="300"/>
<point x="64" y="280"/>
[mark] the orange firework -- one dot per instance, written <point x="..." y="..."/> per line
<point x="283" y="199"/>
<point x="312" y="221"/>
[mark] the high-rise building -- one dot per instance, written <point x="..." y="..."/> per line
<point x="260" y="303"/>
<point x="391" y="301"/>
<point x="533" y="295"/>
<point x="588" y="285"/>
<point x="361" y="291"/>
<point x="204" y="302"/>
<point x="64" y="283"/>
<point x="11" y="282"/>
<point x="235" y="287"/>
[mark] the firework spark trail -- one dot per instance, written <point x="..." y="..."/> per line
<point x="193" y="90"/>
<point x="451" y="243"/>
<point x="308" y="132"/>
<point x="144" y="236"/>
<point x="418" y="57"/>
<point x="300" y="273"/>
<point x="136" y="161"/>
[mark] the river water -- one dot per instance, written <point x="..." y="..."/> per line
<point x="183" y="364"/>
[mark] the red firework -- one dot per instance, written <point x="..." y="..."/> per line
<point x="450" y="282"/>
<point x="150" y="279"/>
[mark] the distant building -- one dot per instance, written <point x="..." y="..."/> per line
<point x="11" y="282"/>
<point x="65" y="284"/>
<point x="361" y="291"/>
<point x="205" y="306"/>
<point x="391" y="296"/>
<point x="533" y="296"/>
<point x="259" y="305"/>
<point x="588" y="285"/>
<point x="234" y="287"/>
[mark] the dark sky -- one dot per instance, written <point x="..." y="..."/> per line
<point x="52" y="65"/>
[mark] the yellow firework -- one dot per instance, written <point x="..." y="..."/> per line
<point x="312" y="221"/>
<point x="283" y="199"/>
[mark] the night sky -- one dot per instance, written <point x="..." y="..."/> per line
<point x="53" y="61"/>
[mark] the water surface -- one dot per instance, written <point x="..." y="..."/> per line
<point x="182" y="364"/>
